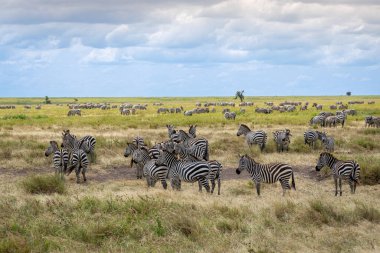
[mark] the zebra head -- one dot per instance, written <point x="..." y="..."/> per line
<point x="130" y="149"/>
<point x="323" y="160"/>
<point x="168" y="146"/>
<point x="52" y="148"/>
<point x="162" y="158"/>
<point x="193" y="130"/>
<point x="243" y="163"/>
<point x="170" y="129"/>
<point x="243" y="129"/>
<point x="68" y="139"/>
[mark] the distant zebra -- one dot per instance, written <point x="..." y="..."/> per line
<point x="282" y="139"/>
<point x="328" y="143"/>
<point x="130" y="149"/>
<point x="74" y="112"/>
<point x="230" y="115"/>
<point x="372" y="121"/>
<point x="341" y="118"/>
<point x="318" y="120"/>
<point x="253" y="137"/>
<point x="311" y="137"/>
<point x="184" y="171"/>
<point x="341" y="170"/>
<point x="60" y="158"/>
<point x="267" y="173"/>
<point x="331" y="121"/>
<point x="317" y="106"/>
<point x="78" y="158"/>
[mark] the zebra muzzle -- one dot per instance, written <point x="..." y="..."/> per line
<point x="238" y="171"/>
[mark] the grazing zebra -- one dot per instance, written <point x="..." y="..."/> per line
<point x="341" y="170"/>
<point x="311" y="137"/>
<point x="282" y="139"/>
<point x="78" y="158"/>
<point x="267" y="173"/>
<point x="317" y="106"/>
<point x="151" y="171"/>
<point x="230" y="115"/>
<point x="215" y="167"/>
<point x="74" y="112"/>
<point x="60" y="158"/>
<point x="199" y="146"/>
<point x="328" y="143"/>
<point x="130" y="149"/>
<point x="253" y="137"/>
<point x="184" y="171"/>
<point x="331" y="121"/>
<point x="319" y="119"/>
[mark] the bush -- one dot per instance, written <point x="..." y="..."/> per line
<point x="44" y="185"/>
<point x="17" y="116"/>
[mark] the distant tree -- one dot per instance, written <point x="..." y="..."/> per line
<point x="240" y="95"/>
<point x="47" y="100"/>
<point x="348" y="93"/>
<point x="75" y="99"/>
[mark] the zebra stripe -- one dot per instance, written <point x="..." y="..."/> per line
<point x="184" y="171"/>
<point x="311" y="137"/>
<point x="253" y="137"/>
<point x="139" y="141"/>
<point x="60" y="158"/>
<point x="319" y="119"/>
<point x="267" y="173"/>
<point x="129" y="150"/>
<point x="341" y="170"/>
<point x="193" y="131"/>
<point x="198" y="146"/>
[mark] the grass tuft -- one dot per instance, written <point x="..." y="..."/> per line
<point x="44" y="185"/>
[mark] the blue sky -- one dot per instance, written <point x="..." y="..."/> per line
<point x="189" y="47"/>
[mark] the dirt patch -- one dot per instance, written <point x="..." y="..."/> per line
<point x="127" y="173"/>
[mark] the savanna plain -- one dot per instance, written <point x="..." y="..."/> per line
<point x="115" y="212"/>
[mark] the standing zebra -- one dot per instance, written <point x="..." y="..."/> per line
<point x="319" y="119"/>
<point x="78" y="158"/>
<point x="230" y="115"/>
<point x="184" y="171"/>
<point x="60" y="158"/>
<point x="253" y="137"/>
<point x="199" y="146"/>
<point x="282" y="139"/>
<point x="151" y="171"/>
<point x="185" y="154"/>
<point x="267" y="173"/>
<point x="86" y="143"/>
<point x="328" y="143"/>
<point x="341" y="170"/>
<point x="311" y="137"/>
<point x="341" y="118"/>
<point x="130" y="149"/>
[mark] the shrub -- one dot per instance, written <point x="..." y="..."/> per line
<point x="44" y="185"/>
<point x="17" y="116"/>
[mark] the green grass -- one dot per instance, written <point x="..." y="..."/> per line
<point x="44" y="185"/>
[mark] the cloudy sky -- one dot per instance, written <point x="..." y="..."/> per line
<point x="189" y="47"/>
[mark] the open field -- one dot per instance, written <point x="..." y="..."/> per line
<point x="115" y="212"/>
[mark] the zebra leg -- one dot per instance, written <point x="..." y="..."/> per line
<point x="340" y="186"/>
<point x="205" y="184"/>
<point x="258" y="188"/>
<point x="200" y="186"/>
<point x="285" y="186"/>
<point x="336" y="186"/>
<point x="351" y="183"/>
<point x="219" y="185"/>
<point x="212" y="185"/>
<point x="164" y="184"/>
<point x="84" y="174"/>
<point x="77" y="173"/>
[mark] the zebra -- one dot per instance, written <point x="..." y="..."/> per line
<point x="282" y="139"/>
<point x="341" y="118"/>
<point x="317" y="106"/>
<point x="184" y="171"/>
<point x="78" y="158"/>
<point x="130" y="149"/>
<point x="151" y="171"/>
<point x="215" y="167"/>
<point x="267" y="173"/>
<point x="341" y="170"/>
<point x="328" y="143"/>
<point x="319" y="119"/>
<point x="60" y="158"/>
<point x="331" y="121"/>
<point x="230" y="115"/>
<point x="199" y="146"/>
<point x="87" y="144"/>
<point x="372" y="121"/>
<point x="139" y="141"/>
<point x="193" y="131"/>
<point x="253" y="137"/>
<point x="74" y="112"/>
<point x="311" y="137"/>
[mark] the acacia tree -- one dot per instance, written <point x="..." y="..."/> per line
<point x="348" y="93"/>
<point x="240" y="95"/>
<point x="47" y="100"/>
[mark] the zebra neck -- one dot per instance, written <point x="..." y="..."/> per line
<point x="332" y="161"/>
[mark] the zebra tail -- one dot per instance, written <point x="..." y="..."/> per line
<point x="293" y="182"/>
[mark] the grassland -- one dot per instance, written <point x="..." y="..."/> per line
<point x="112" y="214"/>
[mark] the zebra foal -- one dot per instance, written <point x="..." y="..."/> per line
<point x="267" y="173"/>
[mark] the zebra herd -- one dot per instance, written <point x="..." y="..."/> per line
<point x="184" y="157"/>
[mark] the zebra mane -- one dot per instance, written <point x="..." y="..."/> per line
<point x="246" y="127"/>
